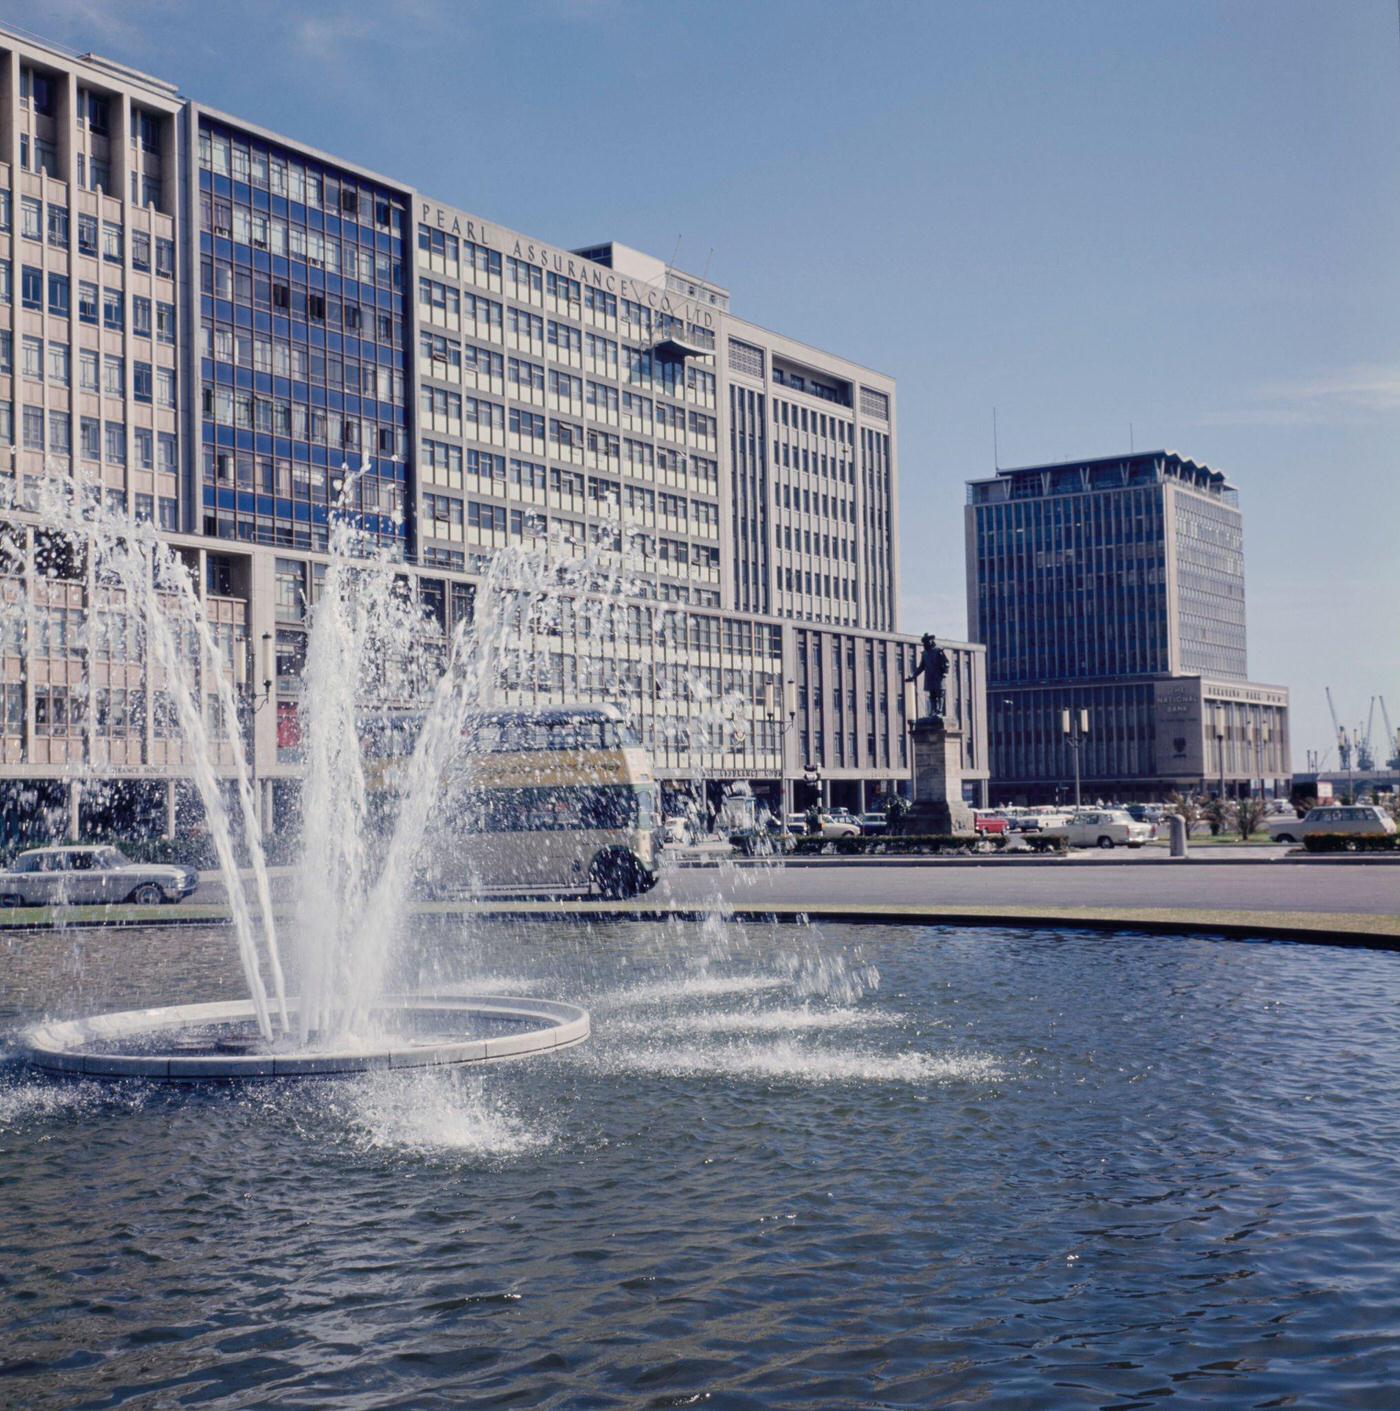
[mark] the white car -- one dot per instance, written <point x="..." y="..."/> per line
<point x="1101" y="828"/>
<point x="677" y="832"/>
<point x="78" y="876"/>
<point x="1356" y="819"/>
<point x="840" y="824"/>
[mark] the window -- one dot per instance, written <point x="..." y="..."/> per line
<point x="114" y="375"/>
<point x="144" y="441"/>
<point x="142" y="382"/>
<point x="7" y="292"/>
<point x="116" y="442"/>
<point x="60" y="434"/>
<point x="7" y="352"/>
<point x="32" y="358"/>
<point x="90" y="438"/>
<point x="111" y="242"/>
<point x="140" y="316"/>
<point x="140" y="250"/>
<point x="165" y="387"/>
<point x="112" y="311"/>
<point x="58" y="226"/>
<point x="32" y="423"/>
<point x="165" y="257"/>
<point x="31" y="218"/>
<point x="165" y="323"/>
<point x="58" y="295"/>
<point x="59" y="364"/>
<point x="167" y="459"/>
<point x="87" y="302"/>
<point x="88" y="374"/>
<point x="32" y="288"/>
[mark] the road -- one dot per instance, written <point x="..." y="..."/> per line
<point x="1256" y="885"/>
<point x="1368" y="889"/>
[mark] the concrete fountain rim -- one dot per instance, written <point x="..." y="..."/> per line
<point x="61" y="1046"/>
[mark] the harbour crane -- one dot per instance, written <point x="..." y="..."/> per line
<point x="1343" y="743"/>
<point x="1365" y="753"/>
<point x="1392" y="740"/>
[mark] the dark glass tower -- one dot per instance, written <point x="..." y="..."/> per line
<point x="303" y="350"/>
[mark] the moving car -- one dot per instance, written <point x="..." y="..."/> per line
<point x="1101" y="828"/>
<point x="1359" y="820"/>
<point x="77" y="876"/>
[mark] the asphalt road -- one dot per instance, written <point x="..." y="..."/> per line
<point x="1369" y="889"/>
<point x="1107" y="880"/>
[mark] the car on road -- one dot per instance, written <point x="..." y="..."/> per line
<point x="1101" y="828"/>
<point x="839" y="823"/>
<point x="1356" y="820"/>
<point x="992" y="824"/>
<point x="76" y="876"/>
<point x="797" y="823"/>
<point x="676" y="831"/>
<point x="874" y="821"/>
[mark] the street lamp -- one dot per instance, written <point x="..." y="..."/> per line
<point x="1074" y="725"/>
<point x="1220" y="748"/>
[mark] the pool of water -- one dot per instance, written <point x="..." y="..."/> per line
<point x="895" y="1167"/>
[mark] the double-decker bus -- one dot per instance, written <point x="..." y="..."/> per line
<point x="548" y="799"/>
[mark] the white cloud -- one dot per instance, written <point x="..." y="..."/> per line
<point x="1358" y="393"/>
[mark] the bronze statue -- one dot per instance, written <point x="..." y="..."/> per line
<point x="933" y="667"/>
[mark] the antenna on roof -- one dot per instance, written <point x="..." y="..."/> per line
<point x="705" y="273"/>
<point x="996" y="454"/>
<point x="1130" y="438"/>
<point x="676" y="252"/>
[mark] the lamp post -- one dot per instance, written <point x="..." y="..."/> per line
<point x="1220" y="748"/>
<point x="1074" y="726"/>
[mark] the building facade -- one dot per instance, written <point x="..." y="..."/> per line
<point x="234" y="334"/>
<point x="1116" y="586"/>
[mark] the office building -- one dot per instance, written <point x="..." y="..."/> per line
<point x="1116" y="586"/>
<point x="213" y="323"/>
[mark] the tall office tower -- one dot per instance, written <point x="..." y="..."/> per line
<point x="237" y="336"/>
<point x="1116" y="586"/>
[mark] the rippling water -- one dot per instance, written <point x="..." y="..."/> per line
<point x="1013" y="1170"/>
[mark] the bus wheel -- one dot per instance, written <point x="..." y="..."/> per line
<point x="617" y="876"/>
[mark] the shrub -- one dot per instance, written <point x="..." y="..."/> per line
<point x="1352" y="842"/>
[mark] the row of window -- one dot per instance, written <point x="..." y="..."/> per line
<point x="96" y="304"/>
<point x="106" y="239"/>
<point x="294" y="300"/>
<point x="104" y="373"/>
<point x="97" y="440"/>
<point x="279" y="174"/>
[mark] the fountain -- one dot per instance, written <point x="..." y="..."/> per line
<point x="372" y="670"/>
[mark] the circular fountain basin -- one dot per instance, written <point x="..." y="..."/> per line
<point x="190" y="1042"/>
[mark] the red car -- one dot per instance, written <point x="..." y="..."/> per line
<point x="991" y="823"/>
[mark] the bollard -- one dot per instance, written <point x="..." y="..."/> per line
<point x="1176" y="826"/>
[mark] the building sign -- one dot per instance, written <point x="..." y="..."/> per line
<point x="1179" y="748"/>
<point x="571" y="266"/>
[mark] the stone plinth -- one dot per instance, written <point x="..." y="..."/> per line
<point x="938" y="801"/>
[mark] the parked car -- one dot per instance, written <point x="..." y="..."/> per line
<point x="991" y="824"/>
<point x="839" y="824"/>
<point x="797" y="823"/>
<point x="1359" y="820"/>
<point x="875" y="821"/>
<point x="1101" y="828"/>
<point x="1147" y="812"/>
<point x="77" y="876"/>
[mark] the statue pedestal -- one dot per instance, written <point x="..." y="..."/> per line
<point x="938" y="801"/>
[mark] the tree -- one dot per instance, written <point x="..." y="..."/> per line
<point x="1249" y="814"/>
<point x="896" y="811"/>
<point x="1189" y="808"/>
<point x="1218" y="813"/>
<point x="1391" y="803"/>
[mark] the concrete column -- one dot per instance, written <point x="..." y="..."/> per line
<point x="860" y="795"/>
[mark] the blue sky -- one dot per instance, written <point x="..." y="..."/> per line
<point x="1177" y="216"/>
